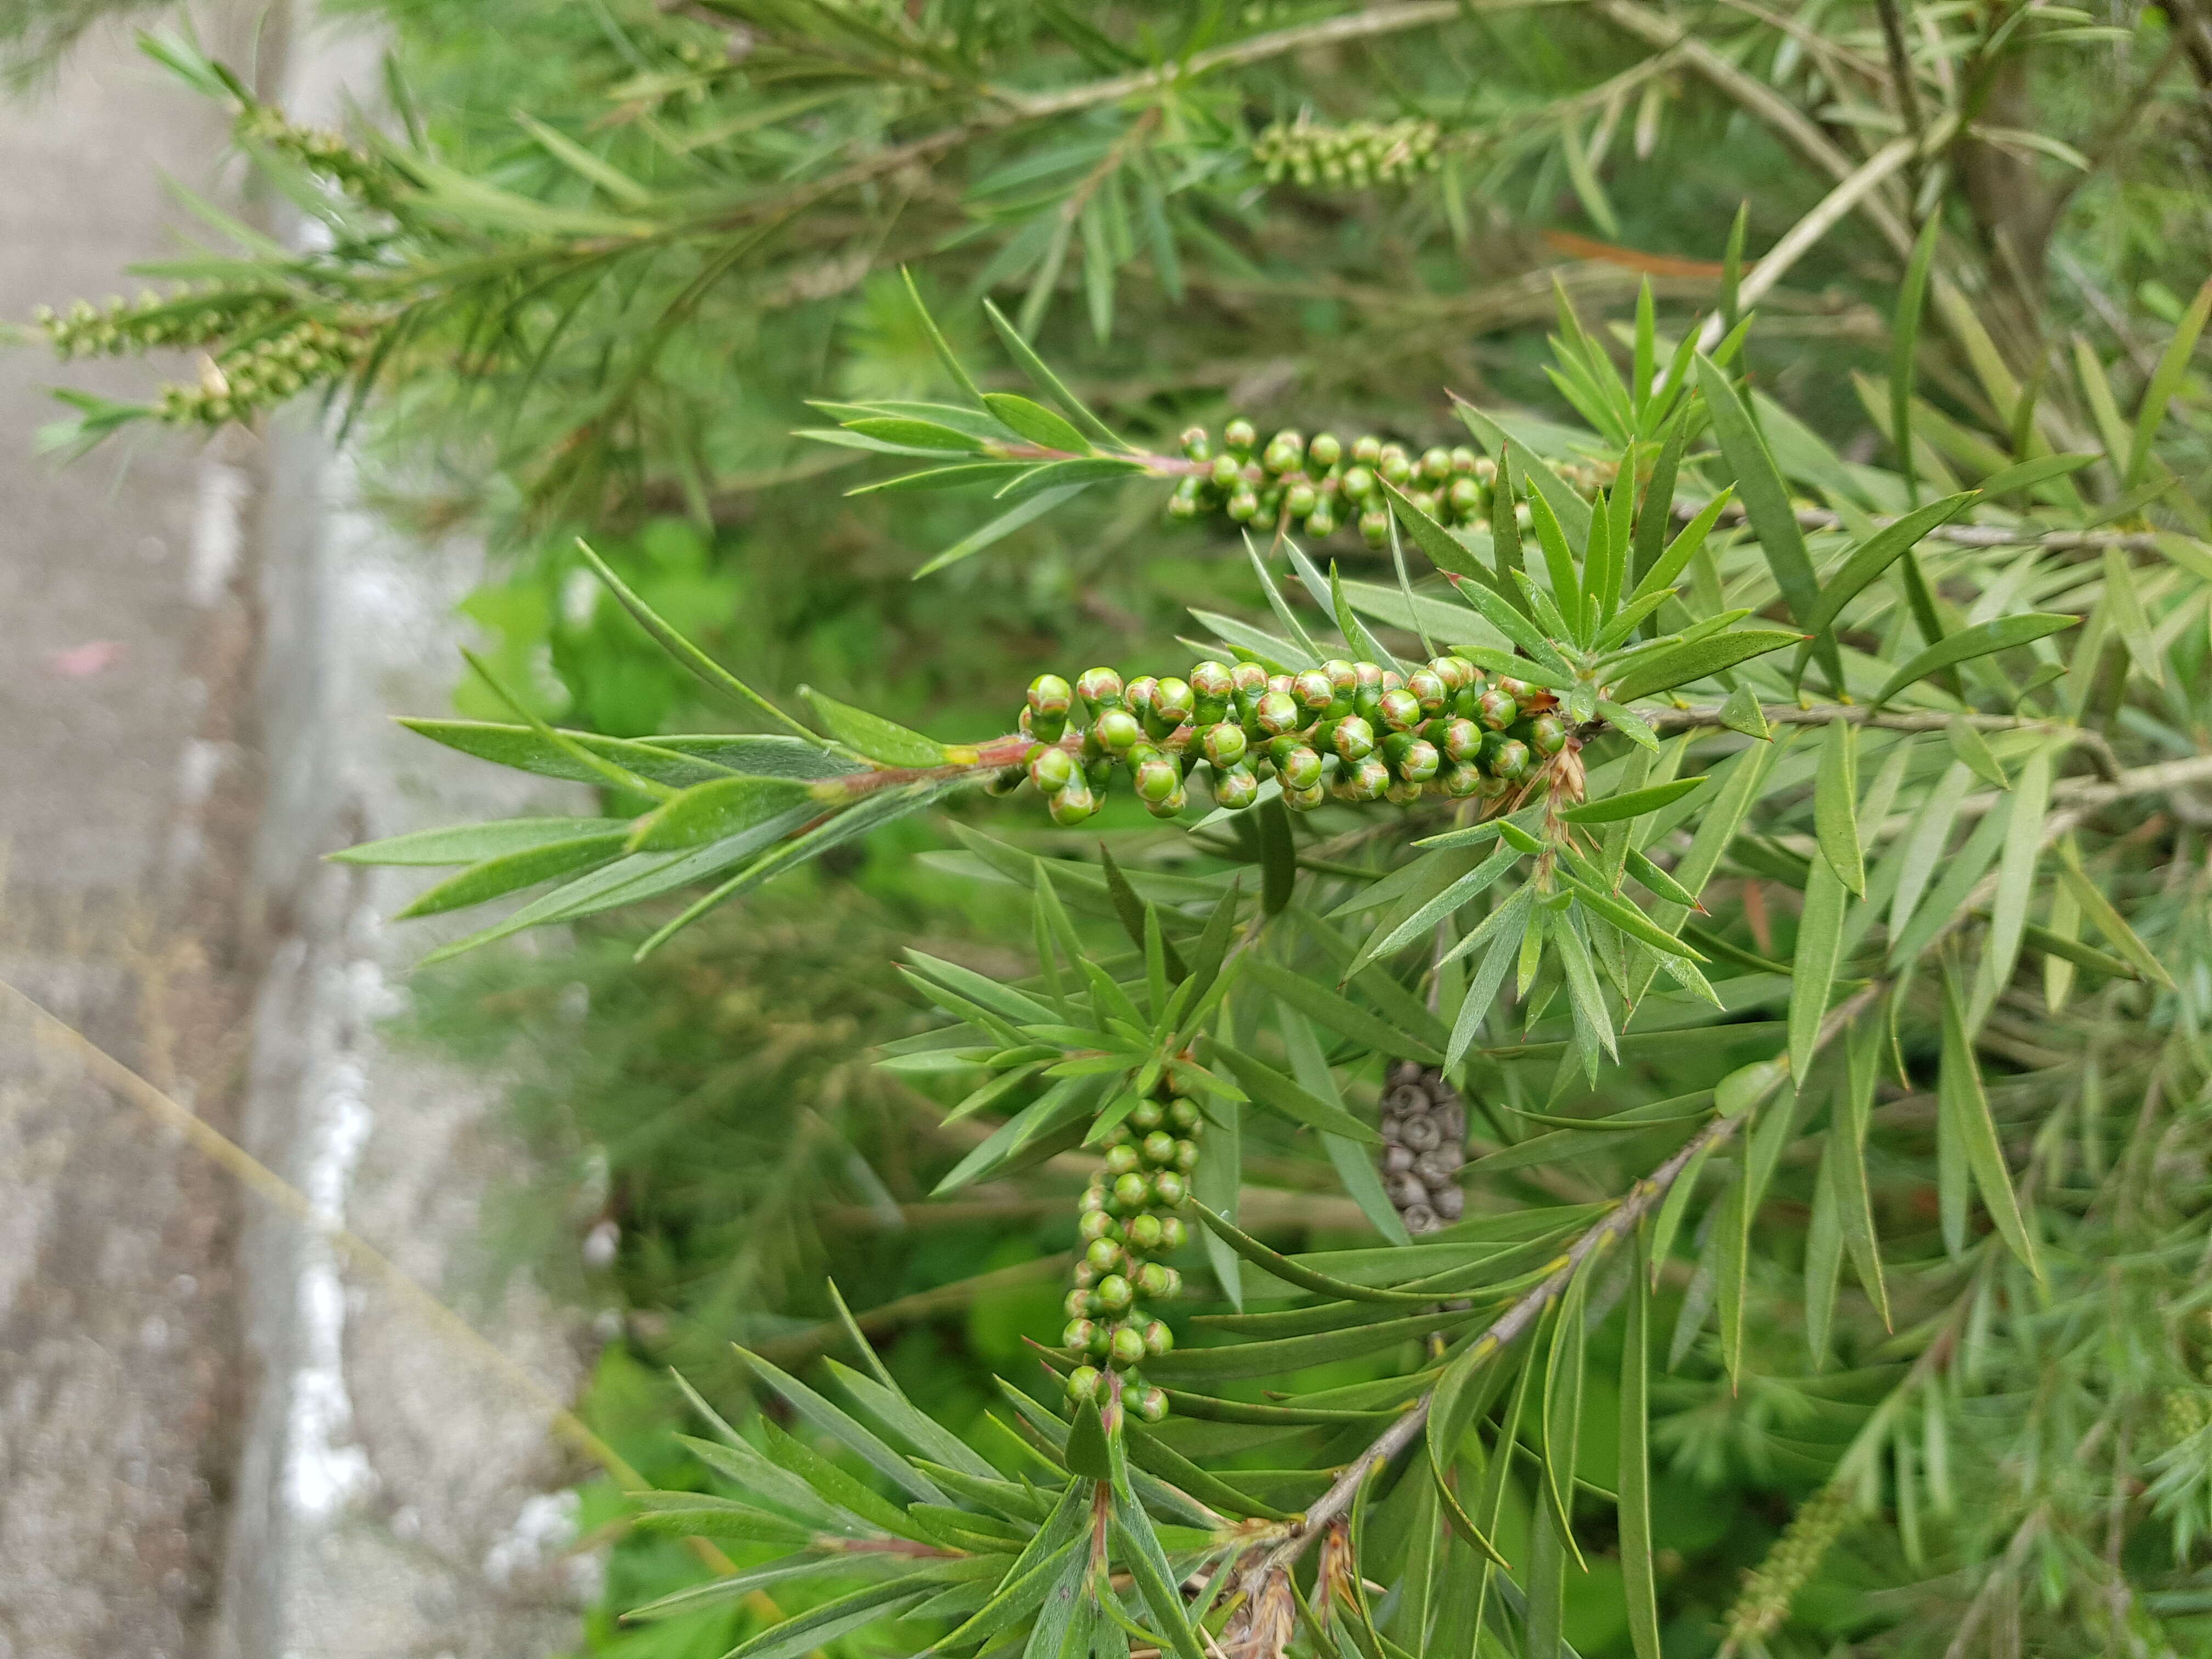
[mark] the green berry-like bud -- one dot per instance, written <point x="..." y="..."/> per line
<point x="1415" y="760"/>
<point x="1520" y="691"/>
<point x="1457" y="672"/>
<point x="1312" y="689"/>
<point x="1050" y="695"/>
<point x="1306" y="799"/>
<point x="1172" y="807"/>
<point x="1375" y="526"/>
<point x="1299" y="769"/>
<point x="1150" y="1404"/>
<point x="1117" y="729"/>
<point x="1194" y="444"/>
<point x="1159" y="1148"/>
<point x="1173" y="1234"/>
<point x="1168" y="1189"/>
<point x="1496" y="709"/>
<point x="1225" y="471"/>
<point x="1403" y="792"/>
<point x="1239" y="436"/>
<point x="1365" y="780"/>
<point x="1322" y="522"/>
<point x="1429" y="690"/>
<point x="1236" y="788"/>
<point x="1147" y="1115"/>
<point x="1052" y="769"/>
<point x="1120" y="1160"/>
<point x="1184" y="503"/>
<point x="1396" y="469"/>
<point x="1243" y="504"/>
<point x="1436" y="465"/>
<point x="1462" y="779"/>
<point x="1160" y="1284"/>
<point x="1073" y="803"/>
<point x="1173" y="704"/>
<point x="1084" y="1383"/>
<point x="1185" y="1117"/>
<point x="1353" y="739"/>
<point x="1464" y="460"/>
<point x="1083" y="1275"/>
<point x="1114" y="1293"/>
<point x="1301" y="498"/>
<point x="1186" y="1155"/>
<point x="1464" y="497"/>
<point x="1458" y="739"/>
<point x="1145" y="1233"/>
<point x="1076" y="1339"/>
<point x="1104" y="1255"/>
<point x="1158" y="1339"/>
<point x="1278" y="712"/>
<point x="1213" y="684"/>
<point x="1367" y="451"/>
<point x="1224" y="745"/>
<point x="1077" y="1305"/>
<point x="1508" y="758"/>
<point x="1097" y="1225"/>
<point x="1139" y="692"/>
<point x="1100" y="689"/>
<point x="1401" y="709"/>
<point x="1325" y="451"/>
<point x="1358" y="484"/>
<point x="1548" y="734"/>
<point x="1130" y="1190"/>
<point x="1128" y="1348"/>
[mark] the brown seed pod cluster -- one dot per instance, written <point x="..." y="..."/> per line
<point x="1425" y="1145"/>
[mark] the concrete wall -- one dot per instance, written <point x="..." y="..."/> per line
<point x="219" y="1436"/>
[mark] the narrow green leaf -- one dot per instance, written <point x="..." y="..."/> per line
<point x="1085" y="1450"/>
<point x="1812" y="970"/>
<point x="1558" y="558"/>
<point x="1766" y="504"/>
<point x="1854" y="1203"/>
<point x="1664" y="667"/>
<point x="1613" y="808"/>
<point x="1912" y="300"/>
<point x="477" y="843"/>
<point x="818" y="1626"/>
<point x="1148" y="1565"/>
<point x="840" y="1426"/>
<point x="1962" y="1102"/>
<point x="1319" y="1002"/>
<point x="689" y="656"/>
<point x="1970" y="746"/>
<point x="1836" y="805"/>
<point x="2128" y="615"/>
<point x="2165" y="381"/>
<point x="1732" y="1243"/>
<point x="1504" y="926"/>
<point x="1026" y="512"/>
<point x="709" y="811"/>
<point x="1445" y="550"/>
<point x="1353" y="1159"/>
<point x="512" y="871"/>
<point x="1046" y="381"/>
<point x="937" y="340"/>
<point x="2023" y="850"/>
<point x="1271" y="1089"/>
<point x="1036" y="422"/>
<point x="908" y="433"/>
<point x="1638" y="1577"/>
<point x="2003" y="634"/>
<point x="2109" y="921"/>
<point x="872" y="735"/>
<point x="1878" y="552"/>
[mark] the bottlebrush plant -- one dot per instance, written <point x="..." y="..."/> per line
<point x="1761" y="885"/>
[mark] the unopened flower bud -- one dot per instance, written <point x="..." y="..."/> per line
<point x="1114" y="1293"/>
<point x="1130" y="1190"/>
<point x="1121" y="1159"/>
<point x="1278" y="712"/>
<point x="1507" y="758"/>
<point x="1236" y="788"/>
<point x="1168" y="1189"/>
<point x="1158" y="1340"/>
<point x="1496" y="709"/>
<point x="1076" y="1339"/>
<point x="1052" y="769"/>
<point x="1104" y="1255"/>
<point x="1239" y="436"/>
<point x="1548" y="734"/>
<point x="1097" y="1225"/>
<point x="1146" y="1116"/>
<point x="1173" y="1233"/>
<point x="1084" y="1383"/>
<point x="1117" y="729"/>
<point x="1150" y="1404"/>
<point x="1128" y="1348"/>
<point x="1353" y="738"/>
<point x="1400" y="708"/>
<point x="1145" y="1233"/>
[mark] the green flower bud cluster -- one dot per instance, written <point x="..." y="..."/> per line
<point x="250" y="378"/>
<point x="1128" y="1220"/>
<point x="1322" y="484"/>
<point x="359" y="175"/>
<point x="1359" y="155"/>
<point x="122" y="327"/>
<point x="1351" y="730"/>
<point x="1764" y="1604"/>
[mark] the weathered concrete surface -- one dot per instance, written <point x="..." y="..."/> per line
<point x="126" y="668"/>
<point x="217" y="1434"/>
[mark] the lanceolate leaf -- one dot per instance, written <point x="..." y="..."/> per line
<point x="512" y="871"/>
<point x="476" y="843"/>
<point x="1638" y="1577"/>
<point x="1271" y="1089"/>
<point x="1836" y="805"/>
<point x="1812" y="970"/>
<point x="1661" y="668"/>
<point x="1613" y="808"/>
<point x="1340" y="1015"/>
<point x="1766" y="504"/>
<point x="709" y="811"/>
<point x="872" y="735"/>
<point x="1965" y="1107"/>
<point x="1878" y="552"/>
<point x="2005" y="633"/>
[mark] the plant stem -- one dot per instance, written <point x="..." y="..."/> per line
<point x="1516" y="1319"/>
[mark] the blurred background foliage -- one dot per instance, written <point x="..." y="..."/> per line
<point x="590" y="260"/>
